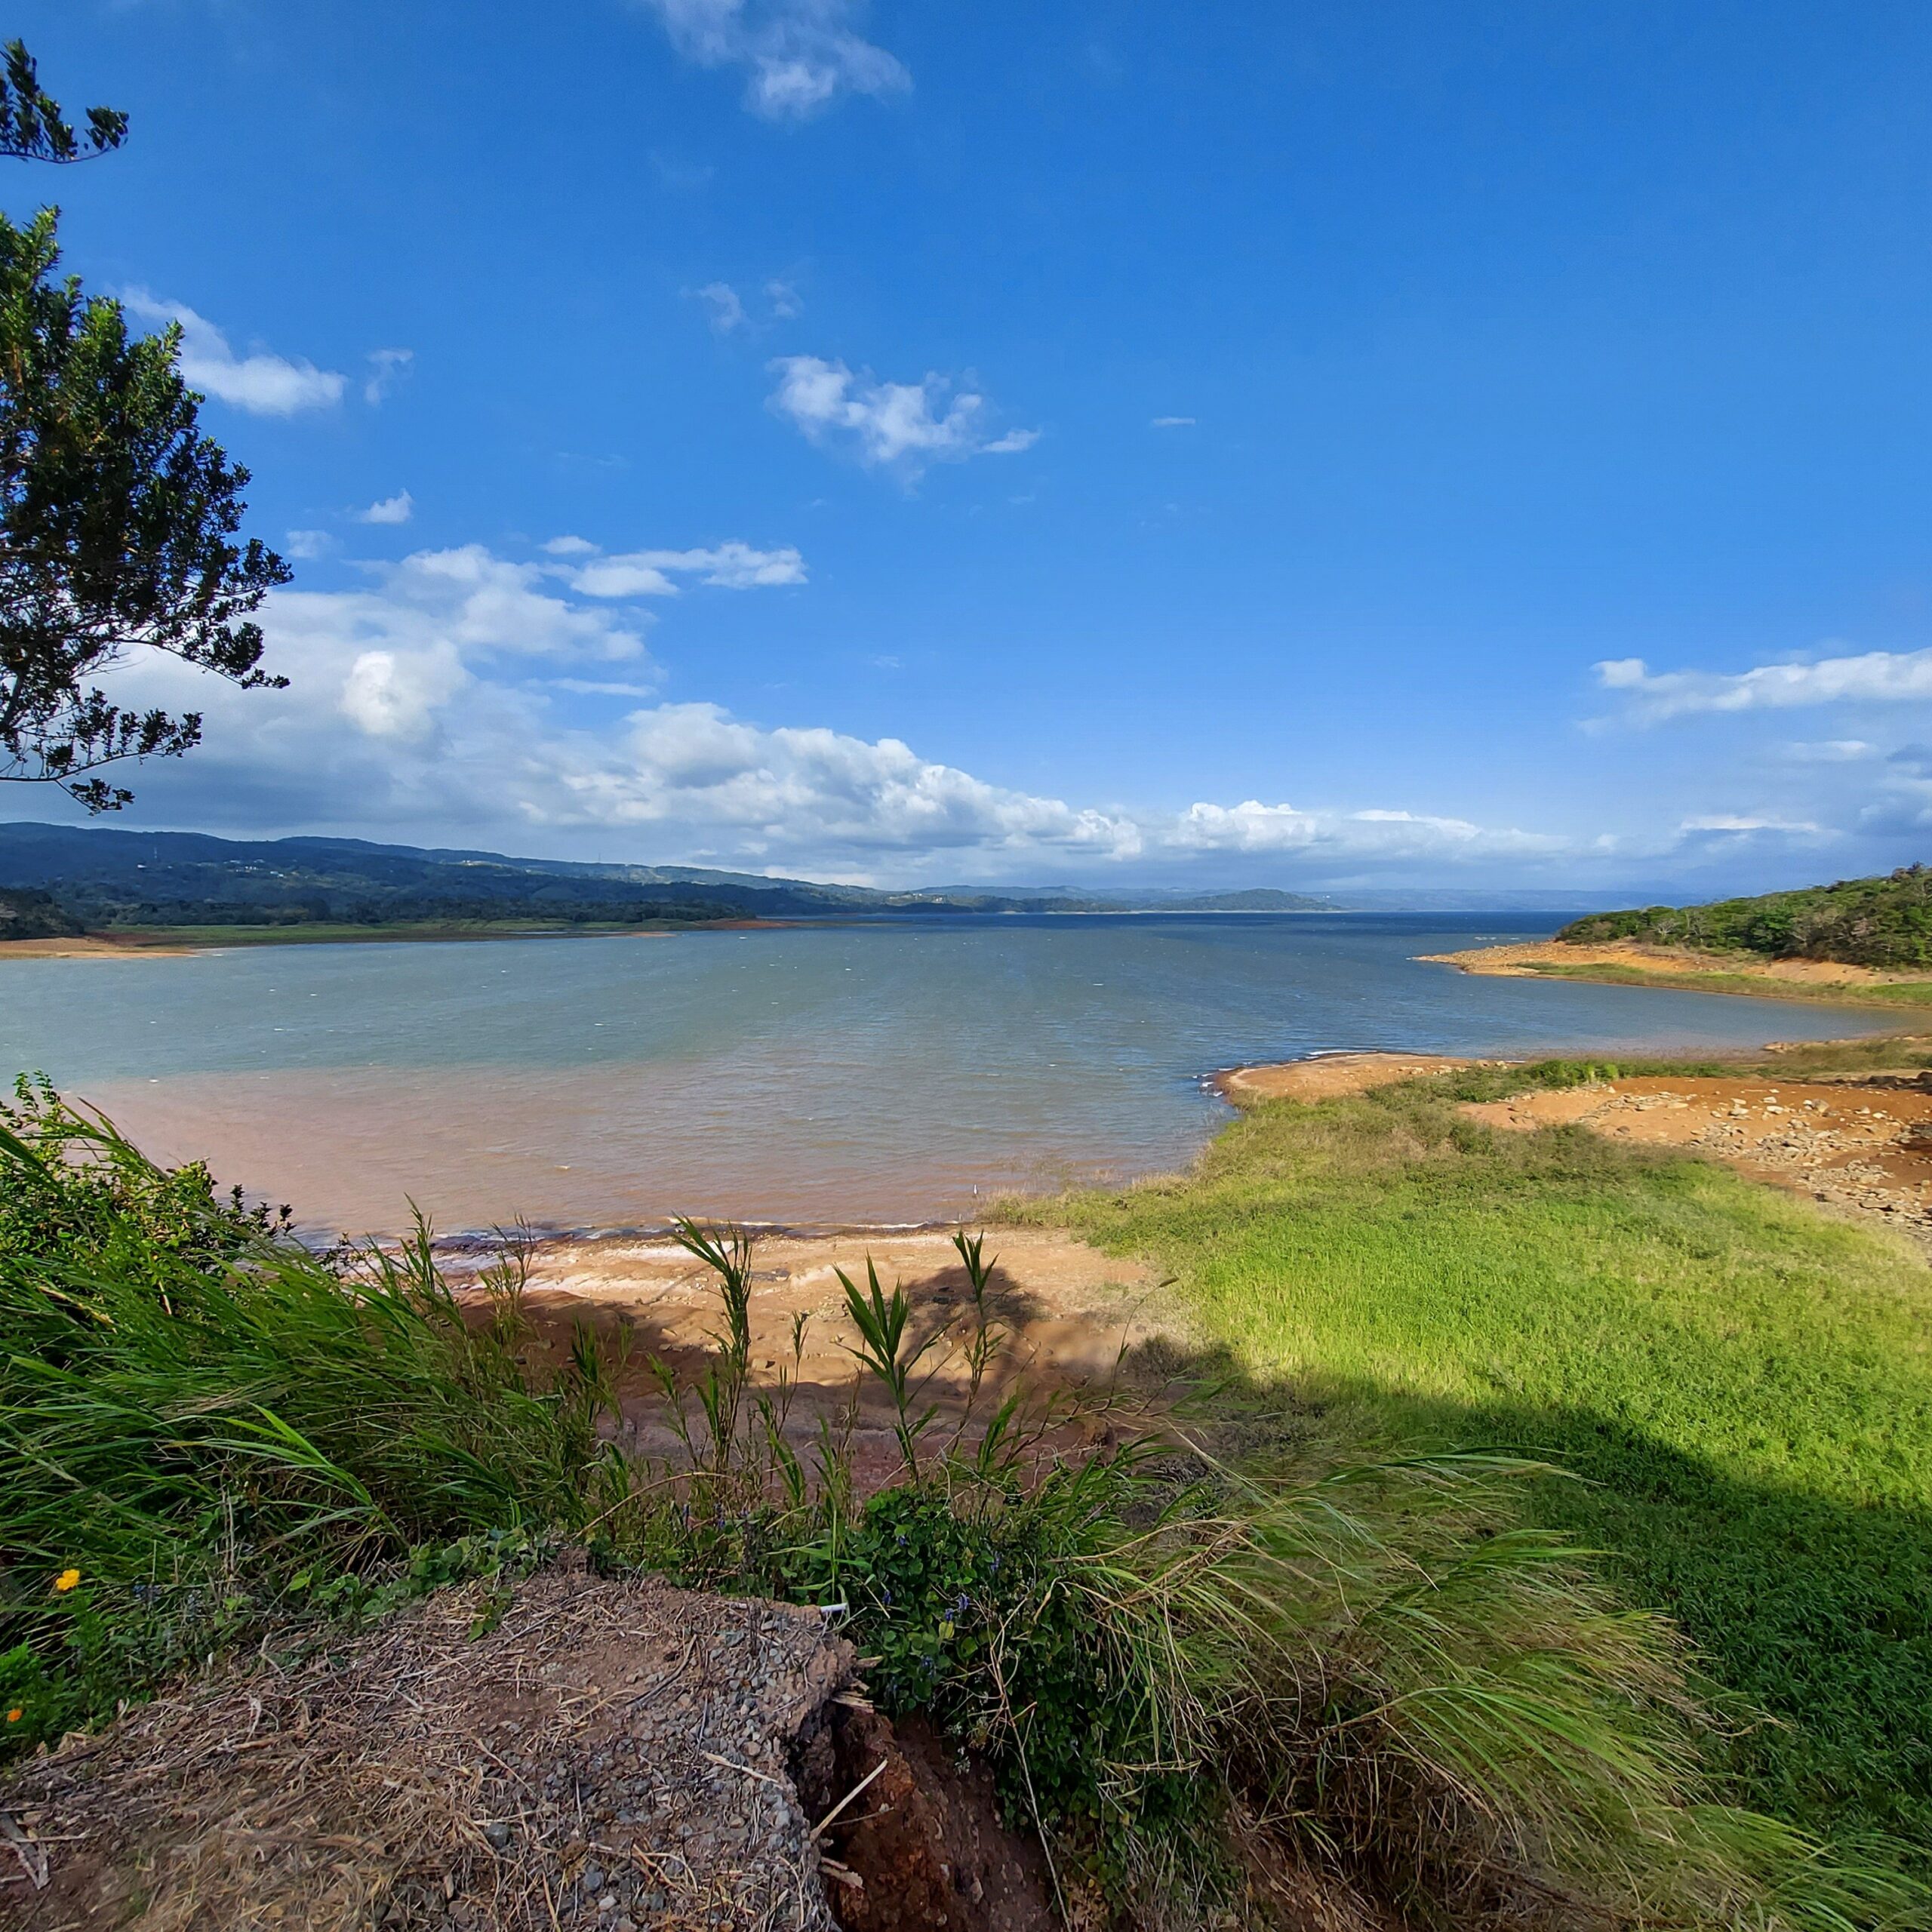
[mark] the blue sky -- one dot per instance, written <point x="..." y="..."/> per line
<point x="1241" y="443"/>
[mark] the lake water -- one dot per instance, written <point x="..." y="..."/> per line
<point x="867" y="1073"/>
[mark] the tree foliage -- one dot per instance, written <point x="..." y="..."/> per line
<point x="1882" y="922"/>
<point x="32" y="128"/>
<point x="118" y="517"/>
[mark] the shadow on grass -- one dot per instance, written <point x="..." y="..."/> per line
<point x="1811" y="1620"/>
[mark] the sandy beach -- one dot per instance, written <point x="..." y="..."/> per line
<point x="1708" y="972"/>
<point x="1067" y="1319"/>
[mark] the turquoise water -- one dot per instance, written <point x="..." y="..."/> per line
<point x="862" y="1073"/>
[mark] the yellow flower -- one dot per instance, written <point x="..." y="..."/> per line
<point x="67" y="1579"/>
<point x="15" y="1715"/>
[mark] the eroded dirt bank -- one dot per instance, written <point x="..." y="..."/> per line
<point x="577" y="1752"/>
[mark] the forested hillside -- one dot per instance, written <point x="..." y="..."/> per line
<point x="97" y="878"/>
<point x="1884" y="922"/>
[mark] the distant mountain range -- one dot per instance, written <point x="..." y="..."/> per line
<point x="60" y="878"/>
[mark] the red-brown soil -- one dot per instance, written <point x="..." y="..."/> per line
<point x="1861" y="1144"/>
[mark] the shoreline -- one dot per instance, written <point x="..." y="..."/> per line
<point x="180" y="942"/>
<point x="1630" y="962"/>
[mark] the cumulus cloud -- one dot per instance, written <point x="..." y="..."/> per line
<point x="398" y="508"/>
<point x="1873" y="677"/>
<point x="797" y="790"/>
<point x="395" y="693"/>
<point x="263" y="384"/>
<point x="901" y="425"/>
<point x="305" y="546"/>
<point x="732" y="566"/>
<point x="799" y="55"/>
<point x="461" y="696"/>
<point x="1253" y="827"/>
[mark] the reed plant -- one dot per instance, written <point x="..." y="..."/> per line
<point x="1185" y="1677"/>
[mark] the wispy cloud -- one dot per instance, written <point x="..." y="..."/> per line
<point x="262" y="383"/>
<point x="398" y="508"/>
<point x="1172" y="422"/>
<point x="799" y="55"/>
<point x="305" y="546"/>
<point x="888" y="425"/>
<point x="1828" y="751"/>
<point x="727" y="312"/>
<point x="1873" y="677"/>
<point x="387" y="366"/>
<point x="1741" y="822"/>
<point x="730" y="566"/>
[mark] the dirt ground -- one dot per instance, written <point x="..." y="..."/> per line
<point x="1331" y="1076"/>
<point x="1523" y="962"/>
<point x="571" y="1752"/>
<point x="1066" y="1317"/>
<point x="1861" y="1144"/>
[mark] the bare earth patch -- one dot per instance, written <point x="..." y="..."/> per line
<point x="1530" y="959"/>
<point x="1067" y="1317"/>
<point x="1862" y="1143"/>
<point x="1331" y="1076"/>
<point x="91" y="947"/>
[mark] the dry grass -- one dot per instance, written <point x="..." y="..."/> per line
<point x="449" y="1768"/>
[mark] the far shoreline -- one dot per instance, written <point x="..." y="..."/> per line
<point x="1676" y="969"/>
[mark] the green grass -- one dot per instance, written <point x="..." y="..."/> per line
<point x="203" y="1430"/>
<point x="1907" y="993"/>
<point x="1746" y="1383"/>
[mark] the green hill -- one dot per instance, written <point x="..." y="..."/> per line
<point x="1882" y="922"/>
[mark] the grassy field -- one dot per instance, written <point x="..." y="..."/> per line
<point x="212" y="1440"/>
<point x="1759" y="985"/>
<point x="1746" y="1384"/>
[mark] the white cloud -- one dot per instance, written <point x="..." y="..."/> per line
<point x="396" y="694"/>
<point x="795" y="790"/>
<point x="731" y="566"/>
<point x="305" y="546"/>
<point x="387" y="366"/>
<point x="785" y="301"/>
<point x="1172" y="422"/>
<point x="1829" y="751"/>
<point x="800" y="55"/>
<point x="1739" y="822"/>
<point x="1253" y="827"/>
<point x="263" y="384"/>
<point x="429" y="704"/>
<point x="1874" y="677"/>
<point x="398" y="508"/>
<point x="727" y="312"/>
<point x="906" y="425"/>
